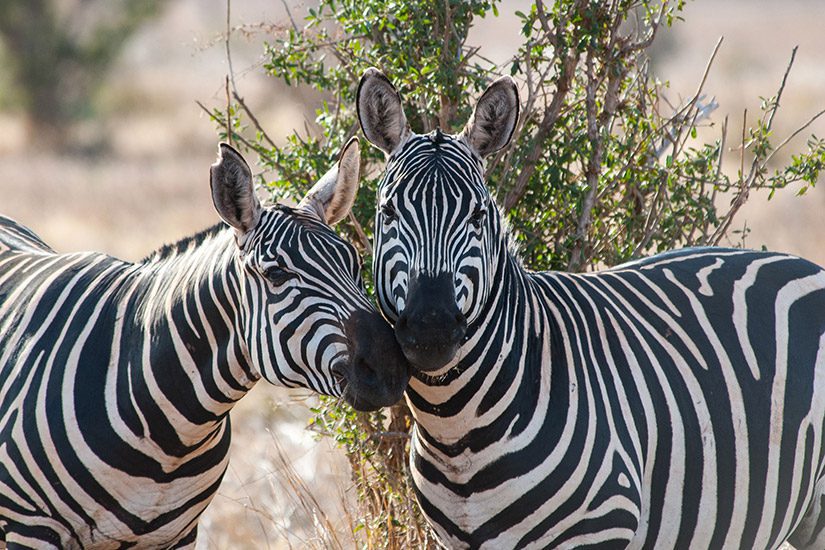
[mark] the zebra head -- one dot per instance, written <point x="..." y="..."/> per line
<point x="305" y="316"/>
<point x="438" y="234"/>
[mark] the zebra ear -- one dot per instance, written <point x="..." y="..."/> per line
<point x="332" y="197"/>
<point x="494" y="119"/>
<point x="380" y="111"/>
<point x="232" y="190"/>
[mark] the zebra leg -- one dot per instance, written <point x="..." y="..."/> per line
<point x="189" y="540"/>
<point x="810" y="533"/>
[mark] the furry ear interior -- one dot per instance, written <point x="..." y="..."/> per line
<point x="380" y="111"/>
<point x="333" y="196"/>
<point x="232" y="190"/>
<point x="494" y="119"/>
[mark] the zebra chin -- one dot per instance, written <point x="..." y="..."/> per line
<point x="377" y="372"/>
<point x="430" y="358"/>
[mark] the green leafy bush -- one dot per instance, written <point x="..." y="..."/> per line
<point x="601" y="169"/>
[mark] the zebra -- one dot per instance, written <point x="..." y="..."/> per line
<point x="116" y="378"/>
<point x="676" y="401"/>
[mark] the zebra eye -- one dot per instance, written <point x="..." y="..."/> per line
<point x="277" y="275"/>
<point x="477" y="217"/>
<point x="388" y="211"/>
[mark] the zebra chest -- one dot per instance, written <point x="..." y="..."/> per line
<point x="556" y="502"/>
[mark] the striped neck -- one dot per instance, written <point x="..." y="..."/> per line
<point x="188" y="361"/>
<point x="481" y="398"/>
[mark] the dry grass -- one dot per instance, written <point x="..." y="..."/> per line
<point x="283" y="488"/>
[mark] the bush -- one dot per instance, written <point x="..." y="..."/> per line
<point x="601" y="169"/>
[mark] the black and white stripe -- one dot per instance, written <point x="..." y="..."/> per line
<point x="675" y="402"/>
<point x="116" y="379"/>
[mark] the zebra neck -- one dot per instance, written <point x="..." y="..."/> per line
<point x="190" y="362"/>
<point x="486" y="395"/>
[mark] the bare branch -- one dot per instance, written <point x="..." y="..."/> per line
<point x="359" y="231"/>
<point x="446" y="108"/>
<point x="551" y="115"/>
<point x="757" y="165"/>
<point x="782" y="87"/>
<point x="289" y="14"/>
<point x="226" y="44"/>
<point x="552" y="37"/>
<point x="793" y="135"/>
<point x="592" y="171"/>
<point x="253" y="119"/>
<point x="228" y="121"/>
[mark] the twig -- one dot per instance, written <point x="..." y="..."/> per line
<point x="551" y="115"/>
<point x="793" y="135"/>
<point x="254" y="119"/>
<point x="552" y="37"/>
<point x="742" y="150"/>
<point x="228" y="121"/>
<point x="593" y="169"/>
<point x="289" y="14"/>
<point x="359" y="231"/>
<point x="226" y="44"/>
<point x="252" y="147"/>
<point x="782" y="87"/>
<point x="445" y="109"/>
<point x="757" y="167"/>
<point x="741" y="196"/>
<point x="389" y="435"/>
<point x="551" y="112"/>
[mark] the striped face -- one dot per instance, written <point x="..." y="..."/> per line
<point x="438" y="237"/>
<point x="302" y="283"/>
<point x="306" y="319"/>
<point x="435" y="238"/>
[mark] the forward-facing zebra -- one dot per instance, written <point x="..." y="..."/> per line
<point x="116" y="379"/>
<point x="674" y="402"/>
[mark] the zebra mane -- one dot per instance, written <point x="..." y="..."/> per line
<point x="511" y="244"/>
<point x="169" y="250"/>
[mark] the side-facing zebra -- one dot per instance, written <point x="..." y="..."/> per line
<point x="674" y="402"/>
<point x="116" y="379"/>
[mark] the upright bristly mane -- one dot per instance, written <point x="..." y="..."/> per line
<point x="169" y="250"/>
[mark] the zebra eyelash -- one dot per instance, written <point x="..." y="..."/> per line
<point x="478" y="215"/>
<point x="389" y="212"/>
<point x="277" y="275"/>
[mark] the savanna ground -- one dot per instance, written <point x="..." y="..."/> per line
<point x="142" y="181"/>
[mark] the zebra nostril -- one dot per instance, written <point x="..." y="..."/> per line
<point x="365" y="372"/>
<point x="460" y="318"/>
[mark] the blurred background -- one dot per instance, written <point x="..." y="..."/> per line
<point x="113" y="156"/>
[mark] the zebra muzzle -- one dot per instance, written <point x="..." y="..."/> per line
<point x="377" y="372"/>
<point x="431" y="328"/>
